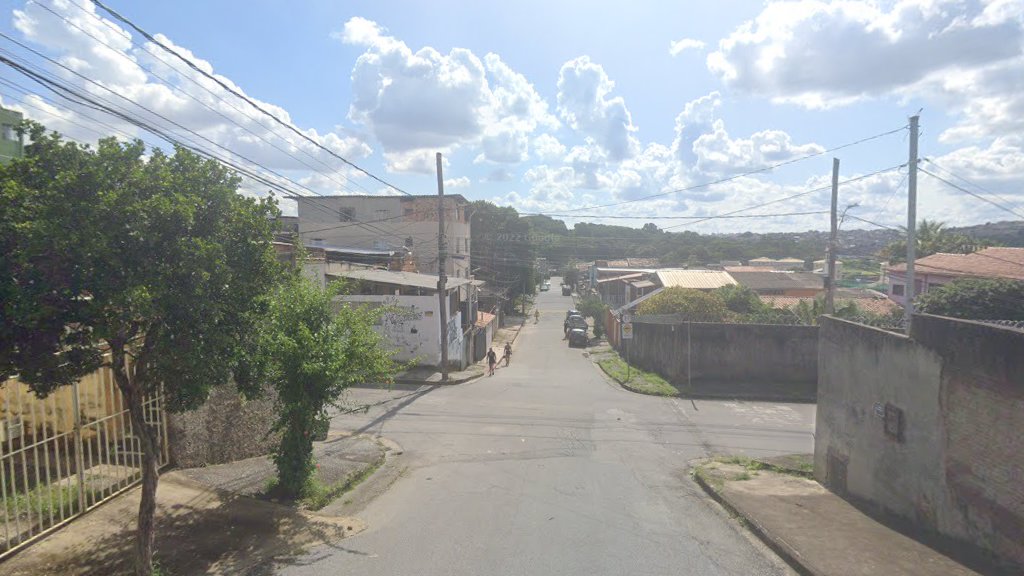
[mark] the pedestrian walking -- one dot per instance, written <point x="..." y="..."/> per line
<point x="536" y="315"/>
<point x="508" y="353"/>
<point x="492" y="359"/>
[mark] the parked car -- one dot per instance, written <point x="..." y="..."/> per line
<point x="566" y="290"/>
<point x="544" y="287"/>
<point x="575" y="321"/>
<point x="578" y="337"/>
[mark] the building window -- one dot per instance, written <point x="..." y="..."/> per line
<point x="897" y="289"/>
<point x="9" y="133"/>
<point x="346" y="214"/>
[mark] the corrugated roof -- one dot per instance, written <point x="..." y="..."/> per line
<point x="413" y="279"/>
<point x="642" y="284"/>
<point x="483" y="319"/>
<point x="770" y="280"/>
<point x="623" y="277"/>
<point x="699" y="279"/>
<point x="987" y="263"/>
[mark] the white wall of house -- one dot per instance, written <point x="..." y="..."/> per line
<point x="413" y="330"/>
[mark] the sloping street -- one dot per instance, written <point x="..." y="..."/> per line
<point x="548" y="468"/>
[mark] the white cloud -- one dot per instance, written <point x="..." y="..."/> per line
<point x="547" y="148"/>
<point x="677" y="47"/>
<point x="153" y="84"/>
<point x="967" y="56"/>
<point x="460" y="182"/>
<point x="426" y="100"/>
<point x="717" y="153"/>
<point x="585" y="105"/>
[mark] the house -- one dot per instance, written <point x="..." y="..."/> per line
<point x="413" y="326"/>
<point x="772" y="282"/>
<point x="777" y="264"/>
<point x="612" y="284"/>
<point x="389" y="223"/>
<point x="939" y="269"/>
<point x="821" y="268"/>
<point x="868" y="301"/>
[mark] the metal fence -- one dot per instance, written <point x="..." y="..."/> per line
<point x="65" y="454"/>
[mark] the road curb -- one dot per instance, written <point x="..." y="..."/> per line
<point x="783" y="550"/>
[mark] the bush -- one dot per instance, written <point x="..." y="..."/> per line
<point x="693" y="305"/>
<point x="592" y="307"/>
<point x="740" y="299"/>
<point x="976" y="299"/>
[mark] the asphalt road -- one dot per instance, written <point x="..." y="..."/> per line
<point x="547" y="468"/>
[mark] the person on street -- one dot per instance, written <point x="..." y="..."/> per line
<point x="508" y="353"/>
<point x="492" y="359"/>
<point x="536" y="315"/>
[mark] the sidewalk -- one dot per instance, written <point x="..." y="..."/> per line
<point x="205" y="523"/>
<point x="813" y="529"/>
<point x="431" y="375"/>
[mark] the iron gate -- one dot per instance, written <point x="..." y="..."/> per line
<point x="65" y="454"/>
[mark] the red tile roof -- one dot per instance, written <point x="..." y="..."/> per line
<point x="873" y="305"/>
<point x="987" y="263"/>
<point x="483" y="319"/>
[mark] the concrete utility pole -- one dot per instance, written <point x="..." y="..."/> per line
<point x="442" y="279"/>
<point x="909" y="291"/>
<point x="830" y="294"/>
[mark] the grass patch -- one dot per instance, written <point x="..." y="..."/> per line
<point x="803" y="469"/>
<point x="316" y="494"/>
<point x="712" y="480"/>
<point x="638" y="381"/>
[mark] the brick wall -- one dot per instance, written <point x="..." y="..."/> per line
<point x="956" y="465"/>
<point x="226" y="428"/>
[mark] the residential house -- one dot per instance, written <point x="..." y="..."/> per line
<point x="777" y="283"/>
<point x="821" y="269"/>
<point x="612" y="284"/>
<point x="413" y="326"/>
<point x="939" y="269"/>
<point x="389" y="223"/>
<point x="11" y="145"/>
<point x="637" y="289"/>
<point x="868" y="301"/>
<point x="777" y="264"/>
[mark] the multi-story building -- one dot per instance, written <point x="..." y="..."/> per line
<point x="10" y="142"/>
<point x="389" y="222"/>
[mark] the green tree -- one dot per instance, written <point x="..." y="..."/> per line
<point x="502" y="251"/>
<point x="310" y="353"/>
<point x="593" y="307"/>
<point x="693" y="305"/>
<point x="932" y="238"/>
<point x="155" y="268"/>
<point x="975" y="299"/>
<point x="740" y="299"/>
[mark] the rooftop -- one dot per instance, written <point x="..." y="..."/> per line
<point x="458" y="197"/>
<point x="413" y="279"/>
<point x="771" y="280"/>
<point x="699" y="279"/>
<point x="987" y="263"/>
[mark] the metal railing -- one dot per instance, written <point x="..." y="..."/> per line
<point x="65" y="454"/>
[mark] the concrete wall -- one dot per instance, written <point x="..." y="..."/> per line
<point x="954" y="467"/>
<point x="746" y="359"/>
<point x="226" y="428"/>
<point x="413" y="330"/>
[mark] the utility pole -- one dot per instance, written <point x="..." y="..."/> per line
<point x="909" y="291"/>
<point x="830" y="294"/>
<point x="442" y="279"/>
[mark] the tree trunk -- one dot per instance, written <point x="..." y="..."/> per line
<point x="134" y="396"/>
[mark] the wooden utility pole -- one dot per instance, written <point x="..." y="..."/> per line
<point x="442" y="279"/>
<point x="830" y="294"/>
<point x="910" y="291"/>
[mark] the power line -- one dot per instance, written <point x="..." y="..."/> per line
<point x="744" y="174"/>
<point x="966" y="181"/>
<point x="966" y="191"/>
<point x="598" y="216"/>
<point x="245" y="98"/>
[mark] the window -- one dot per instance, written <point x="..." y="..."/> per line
<point x="9" y="133"/>
<point x="897" y="289"/>
<point x="346" y="214"/>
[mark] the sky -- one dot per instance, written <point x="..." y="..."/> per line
<point x="585" y="110"/>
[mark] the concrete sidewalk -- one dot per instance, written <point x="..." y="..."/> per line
<point x="815" y="530"/>
<point x="206" y="521"/>
<point x="431" y="375"/>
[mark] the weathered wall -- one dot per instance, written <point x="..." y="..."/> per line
<point x="748" y="359"/>
<point x="957" y="465"/>
<point x="226" y="428"/>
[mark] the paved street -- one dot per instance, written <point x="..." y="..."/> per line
<point x="546" y="468"/>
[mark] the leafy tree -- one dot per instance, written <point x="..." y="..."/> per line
<point x="154" y="268"/>
<point x="310" y="353"/>
<point x="975" y="299"/>
<point x="931" y="237"/>
<point x="502" y="251"/>
<point x="570" y="275"/>
<point x="593" y="307"/>
<point x="740" y="299"/>
<point x="694" y="305"/>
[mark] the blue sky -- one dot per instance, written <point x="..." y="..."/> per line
<point x="552" y="107"/>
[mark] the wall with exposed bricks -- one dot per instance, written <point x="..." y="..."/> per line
<point x="927" y="427"/>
